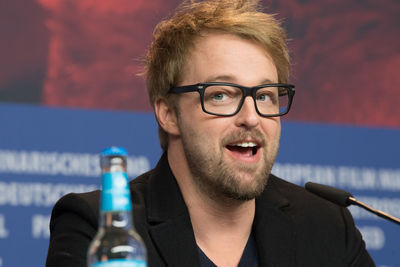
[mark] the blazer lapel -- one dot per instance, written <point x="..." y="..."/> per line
<point x="171" y="229"/>
<point x="176" y="242"/>
<point x="274" y="233"/>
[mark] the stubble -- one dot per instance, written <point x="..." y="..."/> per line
<point x="218" y="178"/>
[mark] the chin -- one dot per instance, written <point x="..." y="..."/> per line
<point x="246" y="193"/>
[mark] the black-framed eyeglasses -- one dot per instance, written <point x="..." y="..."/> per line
<point x="226" y="99"/>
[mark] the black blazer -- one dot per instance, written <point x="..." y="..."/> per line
<point x="292" y="227"/>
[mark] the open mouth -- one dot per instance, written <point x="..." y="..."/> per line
<point x="244" y="149"/>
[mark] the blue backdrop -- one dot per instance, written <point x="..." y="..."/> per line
<point x="47" y="152"/>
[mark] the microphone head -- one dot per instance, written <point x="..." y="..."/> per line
<point x="332" y="194"/>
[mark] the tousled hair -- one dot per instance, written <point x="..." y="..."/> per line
<point x="173" y="39"/>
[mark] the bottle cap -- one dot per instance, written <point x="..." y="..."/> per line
<point x="114" y="151"/>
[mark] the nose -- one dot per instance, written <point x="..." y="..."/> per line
<point x="247" y="116"/>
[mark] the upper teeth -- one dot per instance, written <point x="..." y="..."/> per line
<point x="247" y="144"/>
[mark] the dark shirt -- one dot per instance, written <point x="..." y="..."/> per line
<point x="248" y="259"/>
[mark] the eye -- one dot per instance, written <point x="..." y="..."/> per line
<point x="219" y="96"/>
<point x="263" y="97"/>
<point x="267" y="95"/>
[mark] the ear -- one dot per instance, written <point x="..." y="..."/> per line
<point x="166" y="116"/>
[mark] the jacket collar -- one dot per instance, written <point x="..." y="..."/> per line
<point x="172" y="232"/>
<point x="274" y="230"/>
<point x="168" y="217"/>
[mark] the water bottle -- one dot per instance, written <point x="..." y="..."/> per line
<point x="116" y="243"/>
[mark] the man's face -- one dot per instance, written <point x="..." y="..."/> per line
<point x="228" y="157"/>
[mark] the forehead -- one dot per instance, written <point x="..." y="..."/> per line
<point x="229" y="58"/>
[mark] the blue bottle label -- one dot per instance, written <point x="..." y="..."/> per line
<point x="120" y="263"/>
<point x="115" y="195"/>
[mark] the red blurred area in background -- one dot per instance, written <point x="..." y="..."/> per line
<point x="345" y="55"/>
<point x="346" y="60"/>
<point x="95" y="52"/>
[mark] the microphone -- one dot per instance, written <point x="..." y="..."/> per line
<point x="344" y="199"/>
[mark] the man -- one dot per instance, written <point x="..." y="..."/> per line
<point x="216" y="75"/>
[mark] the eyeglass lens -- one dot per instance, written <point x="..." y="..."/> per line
<point x="225" y="100"/>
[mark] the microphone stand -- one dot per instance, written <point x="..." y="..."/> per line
<point x="344" y="199"/>
<point x="379" y="213"/>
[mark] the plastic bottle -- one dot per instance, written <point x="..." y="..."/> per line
<point x="116" y="243"/>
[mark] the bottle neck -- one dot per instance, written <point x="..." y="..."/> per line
<point x="115" y="202"/>
<point x="116" y="219"/>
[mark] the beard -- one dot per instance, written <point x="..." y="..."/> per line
<point x="218" y="178"/>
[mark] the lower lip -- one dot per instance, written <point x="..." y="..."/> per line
<point x="243" y="157"/>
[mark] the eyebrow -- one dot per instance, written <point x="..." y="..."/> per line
<point x="267" y="81"/>
<point x="220" y="78"/>
<point x="231" y="79"/>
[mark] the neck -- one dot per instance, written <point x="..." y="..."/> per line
<point x="221" y="226"/>
<point x="215" y="223"/>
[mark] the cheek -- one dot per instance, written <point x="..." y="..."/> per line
<point x="204" y="133"/>
<point x="209" y="130"/>
<point x="271" y="128"/>
<point x="189" y="112"/>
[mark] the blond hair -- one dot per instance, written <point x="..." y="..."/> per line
<point x="173" y="39"/>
